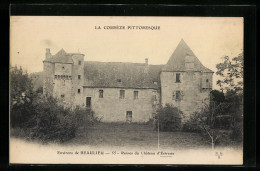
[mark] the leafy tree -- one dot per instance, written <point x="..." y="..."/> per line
<point x="205" y="120"/>
<point x="231" y="72"/>
<point x="217" y="96"/>
<point x="21" y="97"/>
<point x="169" y="118"/>
<point x="21" y="88"/>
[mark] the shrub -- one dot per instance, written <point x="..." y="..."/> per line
<point x="51" y="122"/>
<point x="191" y="127"/>
<point x="169" y="118"/>
<point x="237" y="131"/>
<point x="223" y="122"/>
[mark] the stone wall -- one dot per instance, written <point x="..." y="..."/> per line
<point x="63" y="69"/>
<point x="63" y="90"/>
<point x="111" y="108"/>
<point x="78" y="79"/>
<point x="193" y="94"/>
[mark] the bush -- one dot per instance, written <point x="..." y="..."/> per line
<point x="50" y="122"/>
<point x="191" y="127"/>
<point x="169" y="118"/>
<point x="223" y="122"/>
<point x="237" y="131"/>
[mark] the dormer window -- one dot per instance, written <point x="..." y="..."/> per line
<point x="189" y="62"/>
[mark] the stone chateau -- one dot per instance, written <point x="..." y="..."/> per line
<point x="120" y="92"/>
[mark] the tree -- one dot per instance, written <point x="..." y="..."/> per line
<point x="21" y="88"/>
<point x="21" y="97"/>
<point x="169" y="118"/>
<point x="231" y="72"/>
<point x="205" y="119"/>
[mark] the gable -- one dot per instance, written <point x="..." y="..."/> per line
<point x="183" y="59"/>
<point x="60" y="57"/>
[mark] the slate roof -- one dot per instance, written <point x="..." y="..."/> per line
<point x="60" y="57"/>
<point x="130" y="75"/>
<point x="177" y="60"/>
<point x="121" y="75"/>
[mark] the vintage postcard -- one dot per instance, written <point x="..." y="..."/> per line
<point x="126" y="90"/>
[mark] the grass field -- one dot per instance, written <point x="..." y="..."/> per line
<point x="136" y="135"/>
<point x="141" y="136"/>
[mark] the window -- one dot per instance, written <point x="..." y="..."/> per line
<point x="119" y="80"/>
<point x="122" y="94"/>
<point x="154" y="97"/>
<point x="63" y="67"/>
<point x="178" y="78"/>
<point x="135" y="94"/>
<point x="207" y="80"/>
<point x="178" y="95"/>
<point x="79" y="77"/>
<point x="129" y="116"/>
<point x="62" y="96"/>
<point x="56" y="76"/>
<point x="79" y="91"/>
<point x="79" y="62"/>
<point x="88" y="101"/>
<point x="155" y="82"/>
<point x="101" y="92"/>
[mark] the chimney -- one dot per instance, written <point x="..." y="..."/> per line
<point x="146" y="61"/>
<point x="48" y="53"/>
<point x="146" y="68"/>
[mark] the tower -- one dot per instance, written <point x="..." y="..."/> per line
<point x="48" y="70"/>
<point x="78" y="78"/>
<point x="64" y="76"/>
<point x="185" y="82"/>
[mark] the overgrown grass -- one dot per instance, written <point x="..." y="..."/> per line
<point x="138" y="135"/>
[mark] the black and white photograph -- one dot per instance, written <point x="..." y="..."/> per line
<point x="126" y="90"/>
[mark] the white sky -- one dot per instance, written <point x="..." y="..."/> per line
<point x="209" y="38"/>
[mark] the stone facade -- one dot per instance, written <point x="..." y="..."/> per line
<point x="192" y="95"/>
<point x="120" y="92"/>
<point x="111" y="107"/>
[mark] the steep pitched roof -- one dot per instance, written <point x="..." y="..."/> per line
<point x="60" y="57"/>
<point x="121" y="75"/>
<point x="177" y="59"/>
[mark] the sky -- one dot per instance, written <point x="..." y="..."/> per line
<point x="210" y="38"/>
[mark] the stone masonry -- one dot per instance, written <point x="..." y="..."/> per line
<point x="120" y="92"/>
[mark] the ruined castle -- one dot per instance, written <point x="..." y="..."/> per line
<point x="119" y="91"/>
